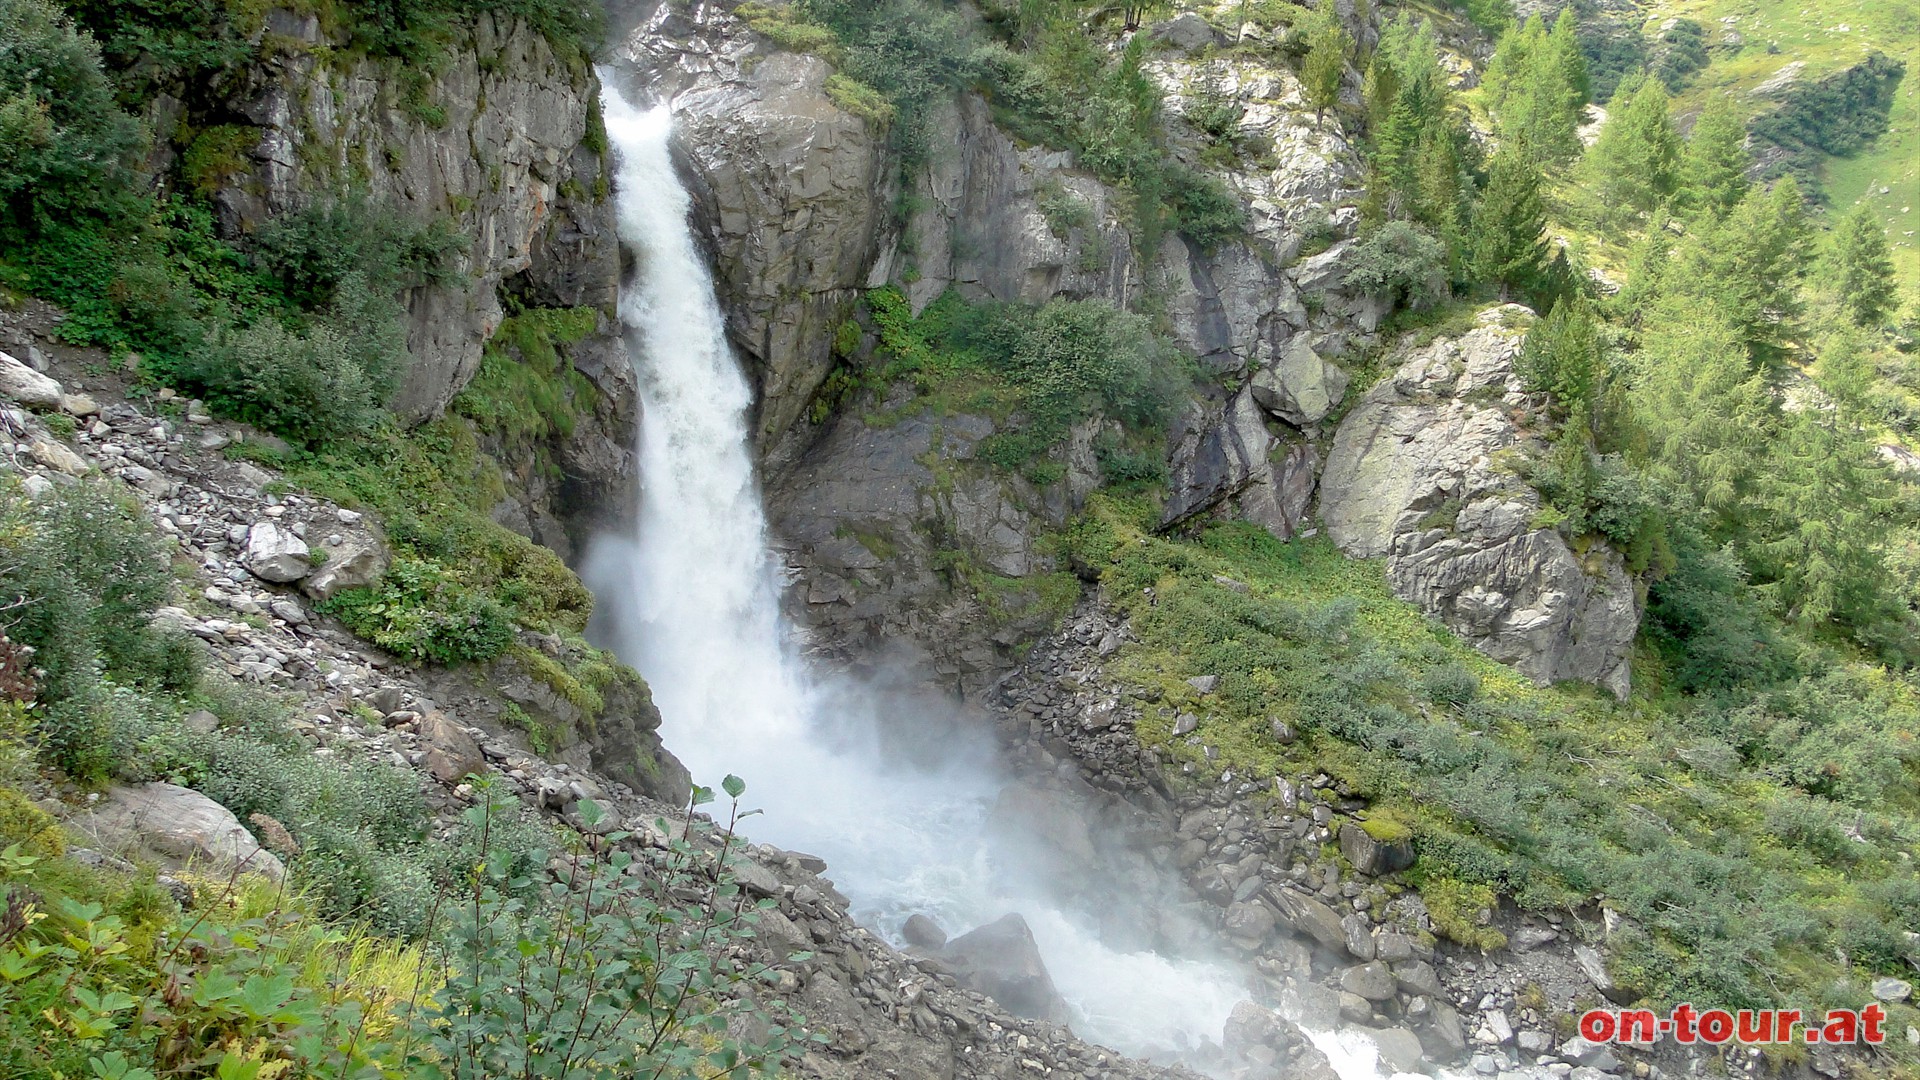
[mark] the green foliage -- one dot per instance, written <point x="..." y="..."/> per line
<point x="527" y="388"/>
<point x="1457" y="909"/>
<point x="421" y="611"/>
<point x="911" y="54"/>
<point x="1401" y="263"/>
<point x="1631" y="169"/>
<point x="65" y="148"/>
<point x="1510" y="242"/>
<point x="467" y="580"/>
<point x="1325" y="66"/>
<point x="1858" y="268"/>
<point x="1838" y="115"/>
<point x="313" y="251"/>
<point x="1562" y="358"/>
<point x="1679" y="51"/>
<point x="1419" y="156"/>
<point x="1748" y="267"/>
<point x="1536" y="86"/>
<point x="1491" y="16"/>
<point x="1713" y="167"/>
<point x="1042" y="369"/>
<point x="623" y="970"/>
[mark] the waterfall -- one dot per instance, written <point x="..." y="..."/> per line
<point x="695" y="600"/>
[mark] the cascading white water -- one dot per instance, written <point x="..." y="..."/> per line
<point x="699" y="618"/>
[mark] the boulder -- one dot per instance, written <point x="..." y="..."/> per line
<point x="354" y="563"/>
<point x="1249" y="922"/>
<point x="1276" y="1046"/>
<point x="1002" y="961"/>
<point x="1298" y="386"/>
<point x="1305" y="915"/>
<point x="1373" y="981"/>
<point x="179" y="826"/>
<point x="1371" y="855"/>
<point x="27" y="386"/>
<point x="1892" y="989"/>
<point x="58" y="457"/>
<point x="923" y="933"/>
<point x="1417" y="977"/>
<point x="275" y="554"/>
<point x="1420" y="472"/>
<point x="1187" y="32"/>
<point x="452" y="754"/>
<point x="1400" y="1049"/>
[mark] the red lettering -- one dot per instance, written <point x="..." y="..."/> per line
<point x="1783" y="1022"/>
<point x="1843" y="1026"/>
<point x="1756" y="1025"/>
<point x="1597" y="1025"/>
<point x="1638" y="1026"/>
<point x="1683" y="1016"/>
<point x="1716" y="1025"/>
<point x="1873" y="1016"/>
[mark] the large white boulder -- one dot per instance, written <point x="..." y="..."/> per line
<point x="27" y="386"/>
<point x="275" y="554"/>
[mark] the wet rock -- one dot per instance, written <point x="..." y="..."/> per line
<point x="922" y="932"/>
<point x="1400" y="1049"/>
<point x="1373" y="981"/>
<point x="1002" y="961"/>
<point x="1305" y="915"/>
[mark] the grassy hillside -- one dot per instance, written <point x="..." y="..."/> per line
<point x="1826" y="36"/>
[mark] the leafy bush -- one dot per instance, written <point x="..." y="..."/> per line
<point x="623" y="970"/>
<point x="420" y="611"/>
<point x="1399" y="263"/>
<point x="527" y="388"/>
<point x="65" y="147"/>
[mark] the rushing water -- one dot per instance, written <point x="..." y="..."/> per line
<point x="695" y="598"/>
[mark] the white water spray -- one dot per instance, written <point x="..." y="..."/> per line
<point x="697" y="599"/>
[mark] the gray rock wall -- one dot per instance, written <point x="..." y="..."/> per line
<point x="1422" y="472"/>
<point x="494" y="145"/>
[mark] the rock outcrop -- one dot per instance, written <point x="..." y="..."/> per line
<point x="1423" y="472"/>
<point x="494" y="147"/>
<point x="179" y="826"/>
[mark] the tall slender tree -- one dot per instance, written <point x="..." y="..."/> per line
<point x="1631" y="168"/>
<point x="1510" y="244"/>
<point x="1713" y="167"/>
<point x="1858" y="266"/>
<point x="1329" y="46"/>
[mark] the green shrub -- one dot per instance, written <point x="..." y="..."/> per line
<point x="527" y="388"/>
<point x="625" y="971"/>
<point x="65" y="146"/>
<point x="422" y="612"/>
<point x="1401" y="264"/>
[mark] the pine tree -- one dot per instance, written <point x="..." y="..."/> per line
<point x="1536" y="92"/>
<point x="1707" y="415"/>
<point x="1561" y="358"/>
<point x="1713" y="167"/>
<point x="1748" y="267"/>
<point x="1859" y="268"/>
<point x="1439" y="192"/>
<point x="1510" y="244"/>
<point x="1328" y="47"/>
<point x="1631" y="167"/>
<point x="1563" y="47"/>
<point x="1827" y="500"/>
<point x="1512" y="59"/>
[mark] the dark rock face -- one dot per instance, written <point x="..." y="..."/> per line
<point x="1001" y="961"/>
<point x="1371" y="856"/>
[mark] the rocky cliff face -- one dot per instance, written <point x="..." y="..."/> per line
<point x="494" y="143"/>
<point x="1422" y="472"/>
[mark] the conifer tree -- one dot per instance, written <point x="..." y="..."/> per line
<point x="1631" y="168"/>
<point x="1748" y="266"/>
<point x="1328" y="47"/>
<point x="1707" y="415"/>
<point x="1536" y="92"/>
<point x="1859" y="268"/>
<point x="1563" y="47"/>
<point x="1713" y="167"/>
<point x="1561" y="358"/>
<point x="1510" y="244"/>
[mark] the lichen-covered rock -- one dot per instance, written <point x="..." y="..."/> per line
<point x="1422" y="472"/>
<point x="1299" y="386"/>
